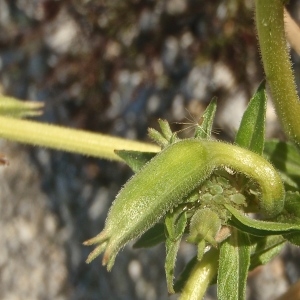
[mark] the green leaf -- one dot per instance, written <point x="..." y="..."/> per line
<point x="286" y="158"/>
<point x="135" y="159"/>
<point x="251" y="133"/>
<point x="259" y="228"/>
<point x="291" y="214"/>
<point x="291" y="211"/>
<point x="234" y="263"/>
<point x="266" y="248"/>
<point x="203" y="131"/>
<point x="171" y="254"/>
<point x="151" y="237"/>
<point x="293" y="238"/>
<point x="175" y="224"/>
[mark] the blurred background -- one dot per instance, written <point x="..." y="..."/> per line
<point x="115" y="67"/>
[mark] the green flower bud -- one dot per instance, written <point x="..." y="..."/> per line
<point x="168" y="179"/>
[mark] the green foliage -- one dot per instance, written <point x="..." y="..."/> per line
<point x="135" y="159"/>
<point x="251" y="134"/>
<point x="203" y="130"/>
<point x="187" y="186"/>
<point x="220" y="202"/>
<point x="152" y="237"/>
<point x="175" y="224"/>
<point x="285" y="157"/>
<point x="198" y="189"/>
<point x="234" y="261"/>
<point x="263" y="249"/>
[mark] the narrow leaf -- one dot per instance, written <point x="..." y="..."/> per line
<point x="292" y="214"/>
<point x="286" y="158"/>
<point x="234" y="263"/>
<point x="203" y="131"/>
<point x="251" y="133"/>
<point x="175" y="224"/>
<point x="293" y="238"/>
<point x="259" y="228"/>
<point x="151" y="237"/>
<point x="291" y="211"/>
<point x="171" y="254"/>
<point x="266" y="248"/>
<point x="135" y="159"/>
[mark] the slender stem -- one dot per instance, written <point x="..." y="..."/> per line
<point x="201" y="276"/>
<point x="67" y="139"/>
<point x="277" y="65"/>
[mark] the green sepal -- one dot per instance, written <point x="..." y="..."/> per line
<point x="257" y="227"/>
<point x="166" y="137"/>
<point x="204" y="130"/>
<point x="15" y="108"/>
<point x="251" y="133"/>
<point x="201" y="249"/>
<point x="152" y="237"/>
<point x="135" y="159"/>
<point x="175" y="223"/>
<point x="286" y="158"/>
<point x="204" y="225"/>
<point x="158" y="138"/>
<point x="265" y="249"/>
<point x="165" y="129"/>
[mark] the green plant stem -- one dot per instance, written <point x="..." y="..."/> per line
<point x="201" y="276"/>
<point x="68" y="139"/>
<point x="277" y="65"/>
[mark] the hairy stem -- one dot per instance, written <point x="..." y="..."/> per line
<point x="200" y="277"/>
<point x="277" y="65"/>
<point x="68" y="139"/>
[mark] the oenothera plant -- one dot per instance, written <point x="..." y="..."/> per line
<point x="237" y="203"/>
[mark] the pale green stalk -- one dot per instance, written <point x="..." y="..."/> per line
<point x="201" y="276"/>
<point x="277" y="65"/>
<point x="68" y="139"/>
